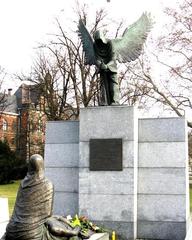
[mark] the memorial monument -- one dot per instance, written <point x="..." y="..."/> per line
<point x="127" y="174"/>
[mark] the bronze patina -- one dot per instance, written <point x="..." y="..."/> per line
<point x="103" y="53"/>
<point x="32" y="216"/>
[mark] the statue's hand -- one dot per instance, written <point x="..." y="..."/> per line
<point x="98" y="63"/>
<point x="103" y="66"/>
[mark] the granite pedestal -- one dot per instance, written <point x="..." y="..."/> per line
<point x="61" y="164"/>
<point x="109" y="197"/>
<point x="148" y="198"/>
<point x="163" y="186"/>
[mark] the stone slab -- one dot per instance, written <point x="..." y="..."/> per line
<point x="162" y="130"/>
<point x="107" y="207"/>
<point x="162" y="181"/>
<point x="128" y="154"/>
<point x="161" y="230"/>
<point x="63" y="179"/>
<point x="4" y="215"/>
<point x="62" y="132"/>
<point x="113" y="182"/>
<point x="162" y="154"/>
<point x="111" y="125"/>
<point x="4" y="210"/>
<point x="124" y="230"/>
<point x="162" y="208"/>
<point x="65" y="203"/>
<point x="3" y="228"/>
<point x="62" y="155"/>
<point x="100" y="236"/>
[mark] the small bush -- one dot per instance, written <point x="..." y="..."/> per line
<point x="11" y="167"/>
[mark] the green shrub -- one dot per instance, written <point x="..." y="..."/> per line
<point x="11" y="167"/>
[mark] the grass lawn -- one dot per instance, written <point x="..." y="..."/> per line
<point x="10" y="191"/>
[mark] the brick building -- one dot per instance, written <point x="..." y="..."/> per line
<point x="22" y="122"/>
<point x="9" y="120"/>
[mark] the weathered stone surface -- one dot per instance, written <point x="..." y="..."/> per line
<point x="161" y="230"/>
<point x="107" y="122"/>
<point x="62" y="132"/>
<point x="124" y="230"/>
<point x="162" y="154"/>
<point x="107" y="207"/>
<point x="109" y="196"/>
<point x="61" y="164"/>
<point x="64" y="179"/>
<point x="128" y="154"/>
<point x="106" y="182"/>
<point x="163" y="203"/>
<point x="162" y="130"/>
<point x="62" y="155"/>
<point x="162" y="208"/>
<point x="65" y="203"/>
<point x="162" y="181"/>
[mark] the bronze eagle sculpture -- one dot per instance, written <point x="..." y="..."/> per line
<point x="104" y="53"/>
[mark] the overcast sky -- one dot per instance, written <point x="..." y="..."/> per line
<point x="25" y="23"/>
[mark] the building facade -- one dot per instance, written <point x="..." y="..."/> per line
<point x="22" y="122"/>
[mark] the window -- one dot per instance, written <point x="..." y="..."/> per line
<point x="13" y="141"/>
<point x="5" y="125"/>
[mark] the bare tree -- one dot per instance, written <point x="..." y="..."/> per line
<point x="2" y="93"/>
<point x="172" y="89"/>
<point x="65" y="82"/>
<point x="176" y="45"/>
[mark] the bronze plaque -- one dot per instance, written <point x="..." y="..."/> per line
<point x="105" y="154"/>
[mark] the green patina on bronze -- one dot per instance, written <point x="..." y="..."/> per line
<point x="104" y="53"/>
<point x="32" y="216"/>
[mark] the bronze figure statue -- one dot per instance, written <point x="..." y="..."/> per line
<point x="32" y="216"/>
<point x="103" y="52"/>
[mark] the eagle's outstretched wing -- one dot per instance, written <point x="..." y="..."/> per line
<point x="129" y="46"/>
<point x="87" y="42"/>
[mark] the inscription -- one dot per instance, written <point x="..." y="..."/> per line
<point x="106" y="154"/>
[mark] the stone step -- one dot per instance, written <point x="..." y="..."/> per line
<point x="99" y="236"/>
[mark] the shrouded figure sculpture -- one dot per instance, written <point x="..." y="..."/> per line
<point x="104" y="53"/>
<point x="31" y="219"/>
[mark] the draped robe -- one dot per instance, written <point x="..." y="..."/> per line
<point x="32" y="208"/>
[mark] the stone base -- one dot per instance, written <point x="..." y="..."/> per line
<point x="61" y="164"/>
<point x="161" y="230"/>
<point x="99" y="236"/>
<point x="123" y="230"/>
<point x="149" y="196"/>
<point x="106" y="197"/>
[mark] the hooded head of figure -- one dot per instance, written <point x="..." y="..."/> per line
<point x="36" y="164"/>
<point x="99" y="36"/>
